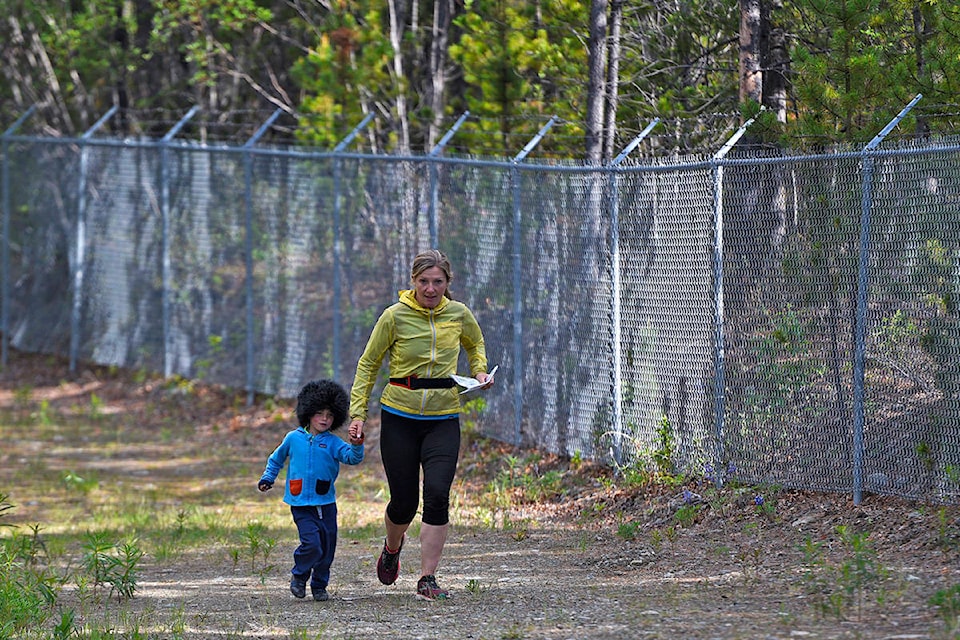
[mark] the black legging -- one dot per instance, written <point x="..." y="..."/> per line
<point x="405" y="445"/>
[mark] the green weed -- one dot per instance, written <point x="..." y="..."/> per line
<point x="44" y="415"/>
<point x="948" y="536"/>
<point x="259" y="547"/>
<point x="474" y="587"/>
<point x="665" y="450"/>
<point x="628" y="530"/>
<point x="27" y="593"/>
<point x="73" y="482"/>
<point x="686" y="515"/>
<point x="844" y="584"/>
<point x="23" y="395"/>
<point x="947" y="602"/>
<point x="5" y="506"/>
<point x="96" y="406"/>
<point x="112" y="563"/>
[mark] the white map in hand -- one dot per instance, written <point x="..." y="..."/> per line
<point x="469" y="384"/>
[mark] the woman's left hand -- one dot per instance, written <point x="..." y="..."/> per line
<point x="484" y="380"/>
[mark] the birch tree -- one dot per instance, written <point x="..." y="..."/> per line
<point x="596" y="80"/>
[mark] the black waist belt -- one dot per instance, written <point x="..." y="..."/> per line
<point x="413" y="382"/>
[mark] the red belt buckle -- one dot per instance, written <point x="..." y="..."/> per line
<point x="407" y="382"/>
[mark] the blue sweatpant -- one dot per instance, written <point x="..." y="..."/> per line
<point x="317" y="527"/>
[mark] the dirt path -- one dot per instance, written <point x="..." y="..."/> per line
<point x="593" y="561"/>
<point x="558" y="582"/>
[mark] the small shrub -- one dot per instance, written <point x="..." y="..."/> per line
<point x="947" y="602"/>
<point x="112" y="563"/>
<point x="686" y="515"/>
<point x="628" y="530"/>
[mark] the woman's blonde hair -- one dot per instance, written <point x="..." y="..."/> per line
<point x="432" y="258"/>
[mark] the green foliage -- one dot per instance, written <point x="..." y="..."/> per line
<point x="204" y="32"/>
<point x="27" y="593"/>
<point x="343" y="71"/>
<point x="44" y="416"/>
<point x="519" y="69"/>
<point x="948" y="531"/>
<point x="5" y="507"/>
<point x="112" y="563"/>
<point x="835" y="88"/>
<point x="475" y="587"/>
<point x="629" y="530"/>
<point x="844" y="583"/>
<point x="204" y="365"/>
<point x="689" y="67"/>
<point x="259" y="546"/>
<point x="686" y="515"/>
<point x="947" y="602"/>
<point x="940" y="339"/>
<point x="858" y="63"/>
<point x="665" y="447"/>
<point x="470" y="414"/>
<point x="654" y="463"/>
<point x="576" y="460"/>
<point x="73" y="482"/>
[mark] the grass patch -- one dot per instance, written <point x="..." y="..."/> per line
<point x="95" y="500"/>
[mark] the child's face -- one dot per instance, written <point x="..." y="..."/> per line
<point x="321" y="421"/>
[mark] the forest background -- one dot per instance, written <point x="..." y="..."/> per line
<point x="826" y="70"/>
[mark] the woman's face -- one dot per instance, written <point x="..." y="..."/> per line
<point x="430" y="286"/>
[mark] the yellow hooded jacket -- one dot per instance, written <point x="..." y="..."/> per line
<point x="422" y="342"/>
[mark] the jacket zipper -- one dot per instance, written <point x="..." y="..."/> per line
<point x="433" y="357"/>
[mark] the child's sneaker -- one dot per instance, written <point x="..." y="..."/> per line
<point x="428" y="589"/>
<point x="298" y="587"/>
<point x="388" y="565"/>
<point x="320" y="594"/>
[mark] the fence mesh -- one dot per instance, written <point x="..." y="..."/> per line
<point x="625" y="327"/>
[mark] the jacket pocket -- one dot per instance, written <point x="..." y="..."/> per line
<point x="322" y="487"/>
<point x="296" y="486"/>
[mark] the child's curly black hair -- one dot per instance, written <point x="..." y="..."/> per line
<point x="317" y="395"/>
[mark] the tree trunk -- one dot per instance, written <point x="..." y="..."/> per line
<point x="776" y="60"/>
<point x="442" y="15"/>
<point x="397" y="22"/>
<point x="919" y="39"/>
<point x="613" y="80"/>
<point x="751" y="77"/>
<point x="596" y="61"/>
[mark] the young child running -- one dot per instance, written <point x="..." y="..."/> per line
<point x="314" y="454"/>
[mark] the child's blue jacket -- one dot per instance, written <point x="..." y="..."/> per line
<point x="314" y="466"/>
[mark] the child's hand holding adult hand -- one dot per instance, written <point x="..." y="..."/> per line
<point x="356" y="432"/>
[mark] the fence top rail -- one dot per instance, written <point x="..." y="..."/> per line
<point x="658" y="165"/>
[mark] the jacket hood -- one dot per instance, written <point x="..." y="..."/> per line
<point x="409" y="298"/>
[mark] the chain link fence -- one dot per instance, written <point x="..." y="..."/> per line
<point x="811" y="342"/>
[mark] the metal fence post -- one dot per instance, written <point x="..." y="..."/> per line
<point x="860" y="320"/>
<point x="166" y="266"/>
<point x="518" y="279"/>
<point x="81" y="238"/>
<point x="248" y="245"/>
<point x="616" y="306"/>
<point x="718" y="320"/>
<point x="435" y="179"/>
<point x="338" y="242"/>
<point x="5" y="295"/>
